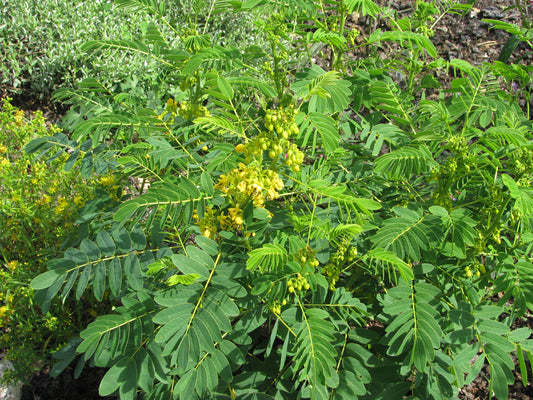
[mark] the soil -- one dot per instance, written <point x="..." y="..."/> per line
<point x="456" y="36"/>
<point x="65" y="387"/>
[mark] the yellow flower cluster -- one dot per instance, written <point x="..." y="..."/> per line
<point x="35" y="195"/>
<point x="233" y="220"/>
<point x="250" y="182"/>
<point x="213" y="221"/>
<point x="109" y="182"/>
<point x="12" y="265"/>
<point x="62" y="206"/>
<point x="79" y="200"/>
<point x="4" y="163"/>
<point x="19" y="117"/>
<point x="106" y="180"/>
<point x="45" y="199"/>
<point x="242" y="185"/>
<point x="4" y="313"/>
<point x="172" y="106"/>
<point x="5" y="310"/>
<point x="208" y="223"/>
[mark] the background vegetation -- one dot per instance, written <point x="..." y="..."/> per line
<point x="40" y="42"/>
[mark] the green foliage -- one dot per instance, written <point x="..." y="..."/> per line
<point x="413" y="331"/>
<point x="408" y="234"/>
<point x="299" y="231"/>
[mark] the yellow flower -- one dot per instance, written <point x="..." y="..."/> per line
<point x="236" y="215"/>
<point x="272" y="193"/>
<point x="259" y="201"/>
<point x="224" y="221"/>
<point x="256" y="188"/>
<point x="79" y="200"/>
<point x="207" y="224"/>
<point x="62" y="205"/>
<point x="19" y="117"/>
<point x="241" y="186"/>
<point x="207" y="232"/>
<point x="46" y="199"/>
<point x="106" y="180"/>
<point x="4" y="162"/>
<point x="172" y="104"/>
<point x="3" y="148"/>
<point x="3" y="311"/>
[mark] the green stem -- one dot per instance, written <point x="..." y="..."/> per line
<point x="523" y="15"/>
<point x="498" y="218"/>
<point x="277" y="75"/>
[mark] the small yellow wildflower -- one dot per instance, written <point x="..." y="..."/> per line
<point x="12" y="265"/>
<point x="106" y="180"/>
<point x="3" y="148"/>
<point x="46" y="199"/>
<point x="51" y="322"/>
<point x="62" y="205"/>
<point x="172" y="104"/>
<point x="4" y="163"/>
<point x="54" y="187"/>
<point x="3" y="311"/>
<point x="79" y="200"/>
<point x="19" y="117"/>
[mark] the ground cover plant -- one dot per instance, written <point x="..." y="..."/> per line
<point x="304" y="224"/>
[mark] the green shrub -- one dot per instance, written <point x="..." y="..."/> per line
<point x="40" y="42"/>
<point x="299" y="231"/>
<point x="38" y="199"/>
<point x="38" y="209"/>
